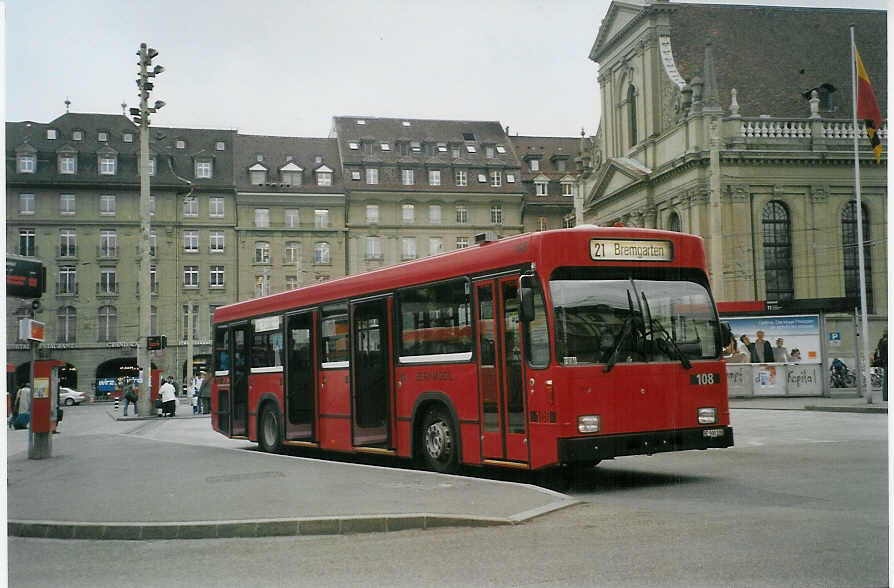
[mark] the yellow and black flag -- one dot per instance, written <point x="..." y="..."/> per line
<point x="867" y="108"/>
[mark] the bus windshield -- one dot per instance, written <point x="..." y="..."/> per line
<point x="608" y="321"/>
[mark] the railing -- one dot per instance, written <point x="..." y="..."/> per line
<point x="771" y="128"/>
<point x="66" y="289"/>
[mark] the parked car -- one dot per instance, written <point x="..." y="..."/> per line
<point x="68" y="397"/>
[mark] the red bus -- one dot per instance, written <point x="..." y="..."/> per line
<point x="555" y="348"/>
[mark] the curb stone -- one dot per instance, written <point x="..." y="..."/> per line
<point x="145" y="531"/>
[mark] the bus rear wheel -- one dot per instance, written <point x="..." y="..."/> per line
<point x="268" y="431"/>
<point x="439" y="441"/>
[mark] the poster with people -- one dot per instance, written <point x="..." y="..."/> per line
<point x="778" y="339"/>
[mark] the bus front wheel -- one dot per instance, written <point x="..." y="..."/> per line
<point x="439" y="441"/>
<point x="268" y="431"/>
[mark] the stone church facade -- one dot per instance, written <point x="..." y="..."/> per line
<point x="746" y="140"/>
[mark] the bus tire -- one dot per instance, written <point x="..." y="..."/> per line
<point x="269" y="430"/>
<point x="439" y="441"/>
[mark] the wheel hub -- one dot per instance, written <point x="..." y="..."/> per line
<point x="437" y="440"/>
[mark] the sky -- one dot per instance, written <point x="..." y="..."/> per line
<point x="286" y="67"/>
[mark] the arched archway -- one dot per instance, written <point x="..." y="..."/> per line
<point x="109" y="371"/>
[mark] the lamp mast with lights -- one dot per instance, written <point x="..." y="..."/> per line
<point x="141" y="117"/>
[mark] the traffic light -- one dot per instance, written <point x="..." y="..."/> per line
<point x="156" y="342"/>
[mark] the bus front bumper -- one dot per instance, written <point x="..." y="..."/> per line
<point x="596" y="448"/>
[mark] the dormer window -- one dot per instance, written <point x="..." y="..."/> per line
<point x="180" y="144"/>
<point x="51" y="134"/>
<point x="259" y="157"/>
<point x="108" y="164"/>
<point x="353" y="145"/>
<point x="501" y="149"/>
<point x="385" y="146"/>
<point x="360" y="121"/>
<point x="68" y="162"/>
<point x="468" y="136"/>
<point x="220" y="146"/>
<point x="291" y="174"/>
<point x="405" y="123"/>
<point x="541" y="186"/>
<point x="471" y="148"/>
<point x="415" y="146"/>
<point x="257" y="174"/>
<point x="442" y="147"/>
<point x="203" y="169"/>
<point x="26" y="159"/>
<point x="102" y="137"/>
<point x="534" y="164"/>
<point x="324" y="176"/>
<point x="489" y="151"/>
<point x="77" y="135"/>
<point x="128" y="137"/>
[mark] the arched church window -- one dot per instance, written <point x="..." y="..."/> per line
<point x="850" y="252"/>
<point x="777" y="238"/>
<point x="673" y="222"/>
<point x="631" y="110"/>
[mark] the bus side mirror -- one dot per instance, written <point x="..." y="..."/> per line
<point x="526" y="293"/>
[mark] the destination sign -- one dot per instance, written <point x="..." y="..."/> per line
<point x="630" y="250"/>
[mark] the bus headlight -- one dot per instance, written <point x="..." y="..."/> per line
<point x="590" y="423"/>
<point x="707" y="416"/>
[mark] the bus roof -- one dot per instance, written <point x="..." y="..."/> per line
<point x="549" y="249"/>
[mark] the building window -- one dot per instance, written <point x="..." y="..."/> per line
<point x="127" y="137"/>
<point x="372" y="175"/>
<point x="190" y="276"/>
<point x="415" y="146"/>
<point x="355" y="175"/>
<point x="216" y="276"/>
<point x="26" y="164"/>
<point x="26" y="203"/>
<point x="372" y="213"/>
<point x="262" y="217"/>
<point x="107" y="322"/>
<point x="291" y="282"/>
<point x="102" y="137"/>
<point x="385" y="146"/>
<point x="152" y="204"/>
<point x="631" y="114"/>
<point x="27" y="242"/>
<point x="215" y="207"/>
<point x="77" y="135"/>
<point x="542" y="188"/>
<point x="153" y="320"/>
<point x="434" y="214"/>
<point x="673" y="222"/>
<point x="561" y="165"/>
<point x="496" y="178"/>
<point x="471" y="148"/>
<point x="220" y="146"/>
<point x="534" y="165"/>
<point x="324" y="178"/>
<point x="68" y="280"/>
<point x="107" y="204"/>
<point x="190" y="206"/>
<point x="407" y="213"/>
<point x="442" y="147"/>
<point x="107" y="281"/>
<point x="195" y="321"/>
<point x="408" y="248"/>
<point x="462" y="242"/>
<point x="777" y="239"/>
<point x="461" y="177"/>
<point x="107" y="165"/>
<point x="851" y="253"/>
<point x="203" y="169"/>
<point x="151" y="162"/>
<point x="262" y="252"/>
<point x="501" y="149"/>
<point x="66" y="204"/>
<point x="216" y="242"/>
<point x="321" y="253"/>
<point x="262" y="285"/>
<point x="292" y="253"/>
<point x="66" y="324"/>
<point x="455" y="151"/>
<point x="407" y="177"/>
<point x="489" y="151"/>
<point x="435" y="245"/>
<point x="180" y="144"/>
<point x="569" y="222"/>
<point x="321" y="218"/>
<point x="462" y="214"/>
<point x="257" y="175"/>
<point x="482" y="178"/>
<point x="567" y="189"/>
<point x="496" y="214"/>
<point x="291" y="177"/>
<point x="191" y="241"/>
<point x="434" y="177"/>
<point x="153" y="243"/>
<point x="291" y="217"/>
<point x="68" y="243"/>
<point x="153" y="279"/>
<point x="541" y="224"/>
<point x="353" y="145"/>
<point x="108" y="243"/>
<point x="68" y="164"/>
<point x="510" y="178"/>
<point x="373" y="248"/>
<point x="51" y="134"/>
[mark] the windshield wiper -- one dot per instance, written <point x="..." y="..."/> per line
<point x="628" y="329"/>
<point x="667" y="344"/>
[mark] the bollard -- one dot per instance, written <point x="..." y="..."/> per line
<point x="116" y="404"/>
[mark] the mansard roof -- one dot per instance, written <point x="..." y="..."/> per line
<point x="787" y="51"/>
<point x="277" y="152"/>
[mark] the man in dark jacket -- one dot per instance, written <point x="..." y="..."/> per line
<point x="205" y="394"/>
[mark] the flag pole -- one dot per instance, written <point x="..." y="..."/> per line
<point x="863" y="362"/>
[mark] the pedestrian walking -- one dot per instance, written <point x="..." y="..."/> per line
<point x="168" y="398"/>
<point x="130" y="395"/>
<point x="881" y="358"/>
<point x="205" y="394"/>
<point x="22" y="407"/>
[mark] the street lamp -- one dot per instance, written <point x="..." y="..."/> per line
<point x="141" y="117"/>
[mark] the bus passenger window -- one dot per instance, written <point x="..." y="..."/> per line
<point x="221" y="349"/>
<point x="334" y="325"/>
<point x="536" y="331"/>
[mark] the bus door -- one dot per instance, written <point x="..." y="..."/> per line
<point x="371" y="377"/>
<point x="300" y="392"/>
<point x="500" y="381"/>
<point x="239" y="370"/>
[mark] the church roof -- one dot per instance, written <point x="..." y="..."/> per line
<point x="774" y="55"/>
